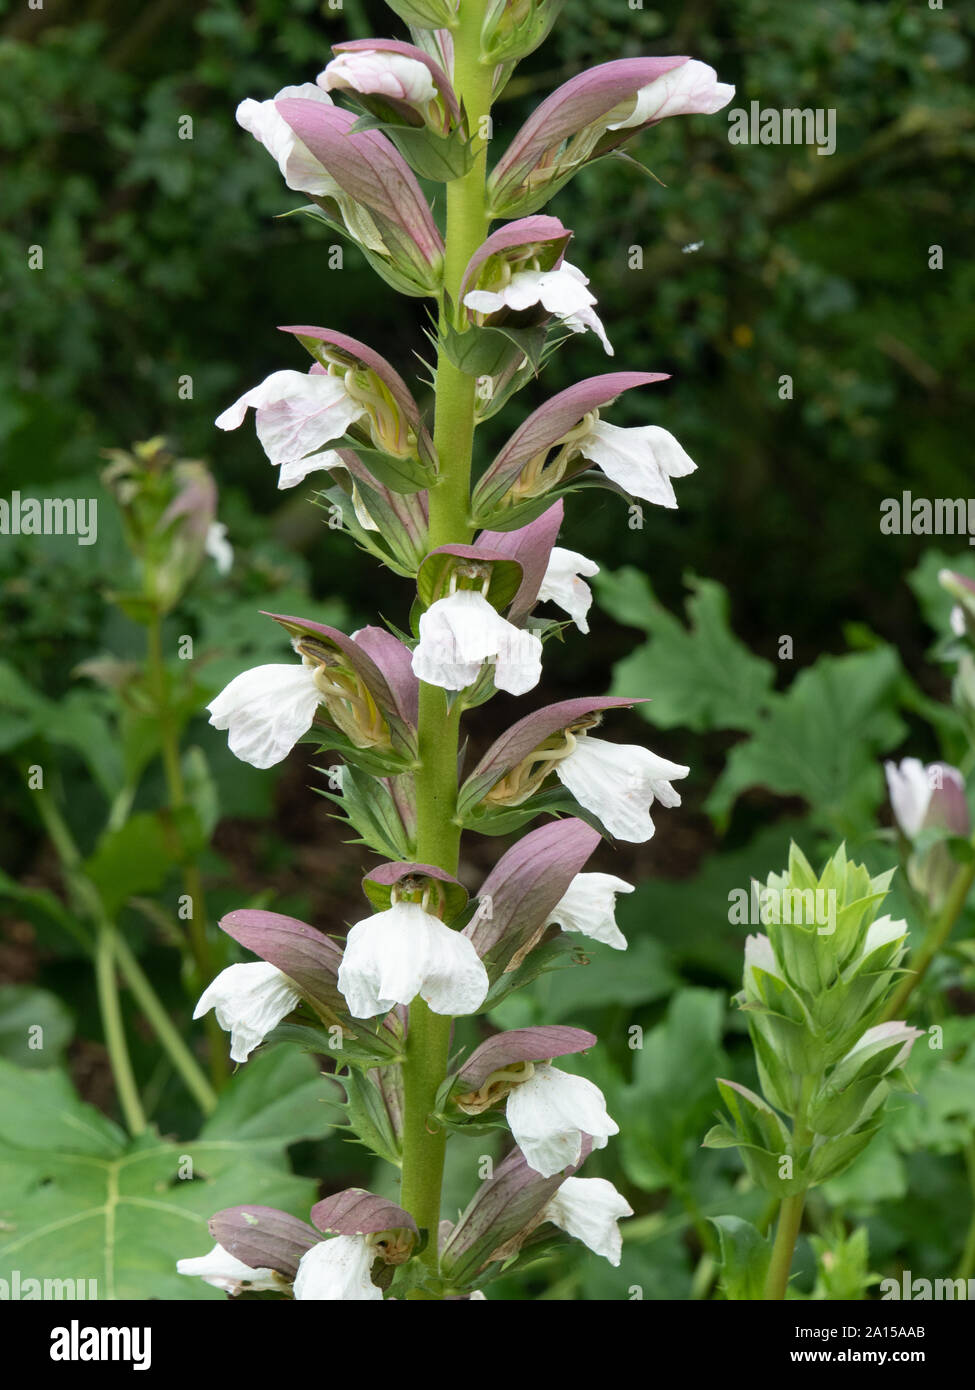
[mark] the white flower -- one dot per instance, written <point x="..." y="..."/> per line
<point x="460" y="632"/>
<point x="642" y="459"/>
<point x="550" y="1112"/>
<point x="691" y="89"/>
<point x="589" y="1208"/>
<point x="395" y="955"/>
<point x="562" y="292"/>
<point x="301" y="170"/>
<point x="296" y="413"/>
<point x="562" y="584"/>
<point x="910" y="793"/>
<point x="249" y="1000"/>
<point x="619" y="782"/>
<point x="267" y="710"/>
<point x="385" y="74"/>
<point x="337" y="1269"/>
<point x="225" y="1271"/>
<point x="218" y="547"/>
<point x="589" y="906"/>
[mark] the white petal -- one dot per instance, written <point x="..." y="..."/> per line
<point x="563" y="586"/>
<point x="249" y="1001"/>
<point x="588" y="1209"/>
<point x="561" y="292"/>
<point x="760" y="955"/>
<point x="883" y="932"/>
<point x="224" y="1271"/>
<point x="301" y="170"/>
<point x="337" y="1269"/>
<point x="641" y="460"/>
<point x="218" y="547"/>
<point x="297" y="413"/>
<point x="619" y="783"/>
<point x="910" y="793"/>
<point x="691" y="89"/>
<point x="550" y="1112"/>
<point x="386" y="74"/>
<point x="460" y="632"/>
<point x="267" y="710"/>
<point x="297" y="470"/>
<point x="395" y="955"/>
<point x="589" y="906"/>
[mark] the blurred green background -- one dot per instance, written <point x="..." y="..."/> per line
<point x="165" y="258"/>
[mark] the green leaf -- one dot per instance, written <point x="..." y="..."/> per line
<point x="78" y="1201"/>
<point x="671" y="1096"/>
<point x="278" y="1097"/>
<point x="698" y="677"/>
<point x="745" y="1256"/>
<point x="136" y="858"/>
<point x="822" y="740"/>
<point x="35" y="1027"/>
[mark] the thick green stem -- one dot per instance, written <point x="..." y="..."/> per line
<point x="438" y="836"/>
<point x="790" y="1211"/>
<point x="936" y="937"/>
<point x="786" y="1235"/>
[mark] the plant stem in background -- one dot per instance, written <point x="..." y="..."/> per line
<point x="438" y="836"/>
<point x="111" y="950"/>
<point x="192" y="880"/>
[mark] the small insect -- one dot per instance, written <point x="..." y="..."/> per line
<point x="692" y="246"/>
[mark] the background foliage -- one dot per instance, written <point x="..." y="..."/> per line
<point x="166" y="257"/>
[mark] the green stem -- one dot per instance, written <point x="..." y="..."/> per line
<point x="786" y="1235"/>
<point x="192" y="880"/>
<point x="438" y="835"/>
<point x="790" y="1211"/>
<point x="114" y="1029"/>
<point x="162" y="1025"/>
<point x="935" y="938"/>
<point x="109" y="945"/>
